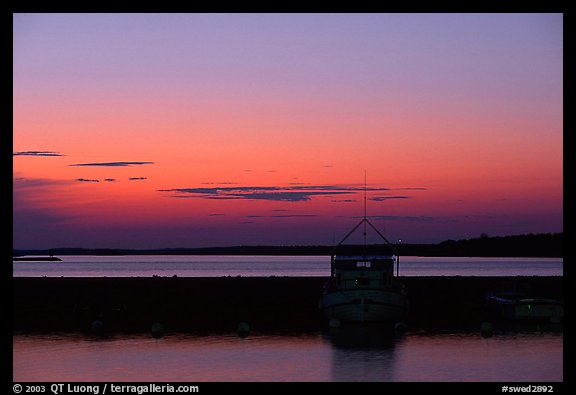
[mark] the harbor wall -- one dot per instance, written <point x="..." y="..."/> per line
<point x="134" y="304"/>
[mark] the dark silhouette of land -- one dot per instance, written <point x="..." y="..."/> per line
<point x="529" y="245"/>
<point x="37" y="259"/>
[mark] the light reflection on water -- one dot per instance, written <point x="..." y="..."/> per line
<point x="342" y="355"/>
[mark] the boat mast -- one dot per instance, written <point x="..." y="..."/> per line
<point x="365" y="222"/>
<point x="364" y="214"/>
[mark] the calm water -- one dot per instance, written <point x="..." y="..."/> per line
<point x="350" y="355"/>
<point x="217" y="266"/>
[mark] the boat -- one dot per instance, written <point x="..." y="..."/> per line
<point x="362" y="286"/>
<point x="36" y="259"/>
<point x="518" y="306"/>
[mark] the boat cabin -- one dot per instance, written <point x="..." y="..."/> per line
<point x="363" y="272"/>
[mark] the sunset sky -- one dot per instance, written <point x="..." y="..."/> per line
<point x="194" y="130"/>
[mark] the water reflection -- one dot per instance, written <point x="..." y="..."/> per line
<point x="349" y="353"/>
<point x="527" y="327"/>
<point x="362" y="352"/>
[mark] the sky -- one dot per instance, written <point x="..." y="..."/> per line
<point x="196" y="130"/>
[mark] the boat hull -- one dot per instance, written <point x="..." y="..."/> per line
<point x="364" y="305"/>
<point x="526" y="309"/>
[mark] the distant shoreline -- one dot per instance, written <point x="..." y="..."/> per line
<point x="36" y="259"/>
<point x="544" y="245"/>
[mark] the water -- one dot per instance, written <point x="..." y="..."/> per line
<point x="349" y="355"/>
<point x="225" y="265"/>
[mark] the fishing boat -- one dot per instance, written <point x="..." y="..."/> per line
<point x="515" y="306"/>
<point x="362" y="285"/>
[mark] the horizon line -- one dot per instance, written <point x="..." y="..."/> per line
<point x="284" y="245"/>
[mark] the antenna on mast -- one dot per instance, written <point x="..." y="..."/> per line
<point x="364" y="194"/>
<point x="365" y="212"/>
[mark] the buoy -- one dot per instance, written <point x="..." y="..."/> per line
<point x="97" y="325"/>
<point x="486" y="329"/>
<point x="399" y="328"/>
<point x="243" y="329"/>
<point x="555" y="319"/>
<point x="157" y="330"/>
<point x="334" y="323"/>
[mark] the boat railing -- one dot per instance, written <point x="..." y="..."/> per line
<point x="363" y="283"/>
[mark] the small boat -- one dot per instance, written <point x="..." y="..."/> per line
<point x="36" y="259"/>
<point x="515" y="306"/>
<point x="362" y="285"/>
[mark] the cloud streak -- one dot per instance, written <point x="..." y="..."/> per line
<point x="39" y="183"/>
<point x="383" y="198"/>
<point x="417" y="218"/>
<point x="290" y="193"/>
<point x="283" y="216"/>
<point x="37" y="153"/>
<point x="273" y="193"/>
<point x="113" y="164"/>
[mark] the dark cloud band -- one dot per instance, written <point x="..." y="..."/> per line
<point x="291" y="193"/>
<point x="113" y="164"/>
<point x="383" y="198"/>
<point x="37" y="153"/>
<point x="283" y="216"/>
<point x="417" y="218"/>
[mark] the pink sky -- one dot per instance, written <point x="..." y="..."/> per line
<point x="188" y="130"/>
